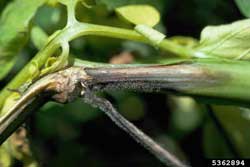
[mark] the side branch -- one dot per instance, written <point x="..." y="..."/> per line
<point x="62" y="86"/>
<point x="166" y="157"/>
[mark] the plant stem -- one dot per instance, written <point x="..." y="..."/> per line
<point x="76" y="30"/>
<point x="63" y="83"/>
<point x="221" y="81"/>
<point x="19" y="117"/>
<point x="162" y="154"/>
<point x="213" y="81"/>
<point x="113" y="32"/>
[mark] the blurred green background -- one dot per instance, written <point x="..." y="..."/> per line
<point x="76" y="134"/>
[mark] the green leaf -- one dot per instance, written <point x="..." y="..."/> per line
<point x="244" y="7"/>
<point x="129" y="105"/>
<point x="38" y="37"/>
<point x="52" y="2"/>
<point x="139" y="14"/>
<point x="14" y="30"/>
<point x="228" y="41"/>
<point x="5" y="157"/>
<point x="111" y="4"/>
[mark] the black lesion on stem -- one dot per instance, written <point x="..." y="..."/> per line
<point x="154" y="78"/>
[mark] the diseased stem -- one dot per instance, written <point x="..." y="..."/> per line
<point x="204" y="78"/>
<point x="163" y="155"/>
<point x="74" y="31"/>
<point x="19" y="117"/>
<point x="217" y="81"/>
<point x="213" y="81"/>
<point x="63" y="83"/>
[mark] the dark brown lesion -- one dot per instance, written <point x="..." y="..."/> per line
<point x="67" y="85"/>
<point x="153" y="78"/>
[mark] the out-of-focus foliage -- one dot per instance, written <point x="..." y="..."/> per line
<point x="19" y="147"/>
<point x="111" y="5"/>
<point x="130" y="105"/>
<point x="244" y="7"/>
<point x="5" y="159"/>
<point x="139" y="14"/>
<point x="15" y="30"/>
<point x="38" y="37"/>
<point x="50" y="19"/>
<point x="181" y="109"/>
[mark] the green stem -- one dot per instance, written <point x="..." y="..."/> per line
<point x="80" y="29"/>
<point x="76" y="30"/>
